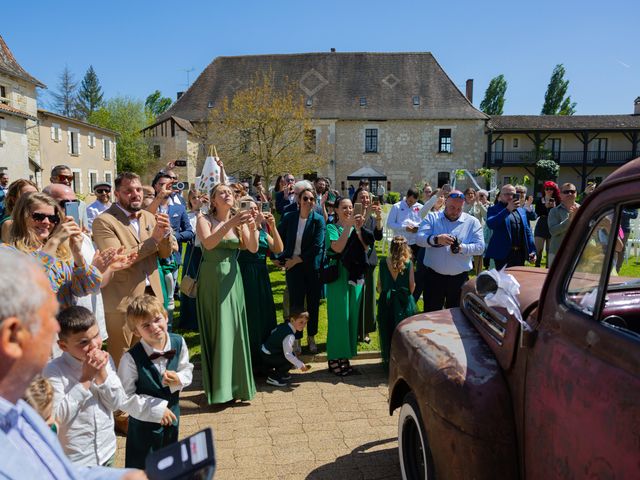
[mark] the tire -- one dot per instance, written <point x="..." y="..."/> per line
<point x="416" y="462"/>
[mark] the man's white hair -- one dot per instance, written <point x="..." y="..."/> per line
<point x="19" y="295"/>
<point x="302" y="185"/>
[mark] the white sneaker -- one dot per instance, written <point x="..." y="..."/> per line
<point x="297" y="348"/>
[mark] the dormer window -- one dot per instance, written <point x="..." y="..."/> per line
<point x="210" y="104"/>
<point x="416" y="100"/>
<point x="309" y="102"/>
<point x="363" y="101"/>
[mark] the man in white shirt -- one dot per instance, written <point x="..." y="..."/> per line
<point x="404" y="218"/>
<point x="102" y="191"/>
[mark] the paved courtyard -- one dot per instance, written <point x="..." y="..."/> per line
<point x="321" y="427"/>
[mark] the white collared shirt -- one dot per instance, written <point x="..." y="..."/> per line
<point x="145" y="407"/>
<point x="95" y="209"/>
<point x="84" y="417"/>
<point x="135" y="222"/>
<point x="402" y="215"/>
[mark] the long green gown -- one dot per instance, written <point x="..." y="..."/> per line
<point x="343" y="307"/>
<point x="261" y="311"/>
<point x="222" y="320"/>
<point x="394" y="305"/>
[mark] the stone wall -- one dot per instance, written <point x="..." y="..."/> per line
<point x="408" y="149"/>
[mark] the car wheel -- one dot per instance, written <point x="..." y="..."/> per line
<point x="415" y="456"/>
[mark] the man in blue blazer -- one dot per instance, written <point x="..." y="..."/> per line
<point x="286" y="196"/>
<point x="512" y="242"/>
<point x="28" y="326"/>
<point x="302" y="232"/>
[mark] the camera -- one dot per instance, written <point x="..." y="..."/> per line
<point x="245" y="205"/>
<point x="180" y="163"/>
<point x="180" y="186"/>
<point x="455" y="246"/>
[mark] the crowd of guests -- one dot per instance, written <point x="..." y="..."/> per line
<point x="111" y="271"/>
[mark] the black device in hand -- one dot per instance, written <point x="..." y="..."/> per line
<point x="455" y="246"/>
<point x="190" y="458"/>
<point x="180" y="163"/>
<point x="516" y="197"/>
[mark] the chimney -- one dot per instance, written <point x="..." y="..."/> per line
<point x="470" y="90"/>
<point x="333" y="50"/>
<point x="178" y="95"/>
<point x="636" y="106"/>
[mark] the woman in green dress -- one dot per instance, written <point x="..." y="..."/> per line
<point x="396" y="285"/>
<point x="222" y="318"/>
<point x="348" y="240"/>
<point x="261" y="310"/>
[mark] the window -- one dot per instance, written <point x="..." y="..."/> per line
<point x="309" y="102"/>
<point x="515" y="143"/>
<point x="443" y="178"/>
<point x="553" y="145"/>
<point x="93" y="179"/>
<point x="156" y="151"/>
<point x="444" y="140"/>
<point x="77" y="180"/>
<point x="173" y="128"/>
<point x="91" y="139"/>
<point x="310" y="141"/>
<point x="106" y="148"/>
<point x="56" y="132"/>
<point x="416" y="100"/>
<point x="210" y="104"/>
<point x="74" y="141"/>
<point x="599" y="148"/>
<point x="498" y="149"/>
<point x="3" y="95"/>
<point x="371" y="140"/>
<point x="363" y="101"/>
<point x="2" y="128"/>
<point x="108" y="177"/>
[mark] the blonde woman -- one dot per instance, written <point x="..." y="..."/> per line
<point x="396" y="285"/>
<point x="221" y="311"/>
<point x="40" y="229"/>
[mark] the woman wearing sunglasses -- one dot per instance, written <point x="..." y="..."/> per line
<point x="39" y="228"/>
<point x="16" y="190"/>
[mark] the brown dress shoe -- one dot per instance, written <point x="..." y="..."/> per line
<point x="121" y="423"/>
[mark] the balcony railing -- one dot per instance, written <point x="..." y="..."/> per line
<point x="563" y="158"/>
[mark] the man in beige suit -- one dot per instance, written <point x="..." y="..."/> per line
<point x="125" y="224"/>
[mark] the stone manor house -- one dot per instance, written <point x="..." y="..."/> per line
<point x="397" y="113"/>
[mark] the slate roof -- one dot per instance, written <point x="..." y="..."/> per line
<point x="335" y="83"/>
<point x="10" y="66"/>
<point x="563" y="122"/>
<point x="366" y="172"/>
<point x="91" y="126"/>
<point x="4" y="108"/>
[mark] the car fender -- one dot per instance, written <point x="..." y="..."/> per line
<point x="463" y="397"/>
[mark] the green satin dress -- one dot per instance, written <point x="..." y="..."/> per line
<point x="261" y="311"/>
<point x="394" y="305"/>
<point x="222" y="320"/>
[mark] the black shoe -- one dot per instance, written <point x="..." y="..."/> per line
<point x="276" y="381"/>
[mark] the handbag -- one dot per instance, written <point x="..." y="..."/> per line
<point x="189" y="285"/>
<point x="330" y="269"/>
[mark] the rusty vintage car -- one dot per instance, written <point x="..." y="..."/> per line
<point x="483" y="396"/>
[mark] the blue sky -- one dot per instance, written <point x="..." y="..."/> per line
<point x="139" y="46"/>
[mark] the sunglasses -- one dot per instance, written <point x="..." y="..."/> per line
<point x="63" y="178"/>
<point x="456" y="195"/>
<point x="308" y="199"/>
<point x="101" y="191"/>
<point x="40" y="217"/>
<point x="569" y="192"/>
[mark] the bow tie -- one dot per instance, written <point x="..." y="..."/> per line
<point x="169" y="354"/>
<point x="135" y="215"/>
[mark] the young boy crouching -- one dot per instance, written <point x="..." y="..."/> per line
<point x="153" y="373"/>
<point x="86" y="390"/>
<point x="276" y="352"/>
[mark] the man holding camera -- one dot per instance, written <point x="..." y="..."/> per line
<point x="451" y="239"/>
<point x="512" y="242"/>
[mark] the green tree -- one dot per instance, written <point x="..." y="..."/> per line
<point x="556" y="100"/>
<point x="128" y="117"/>
<point x="157" y="104"/>
<point x="266" y="129"/>
<point x="493" y="103"/>
<point x="90" y="94"/>
<point x="65" y="100"/>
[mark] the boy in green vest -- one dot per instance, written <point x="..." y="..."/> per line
<point x="153" y="372"/>
<point x="276" y="352"/>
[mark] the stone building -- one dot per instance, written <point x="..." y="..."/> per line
<point x="89" y="150"/>
<point x="19" y="136"/>
<point x="398" y="113"/>
<point x="587" y="147"/>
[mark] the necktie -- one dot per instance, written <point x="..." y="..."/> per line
<point x="135" y="215"/>
<point x="169" y="354"/>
